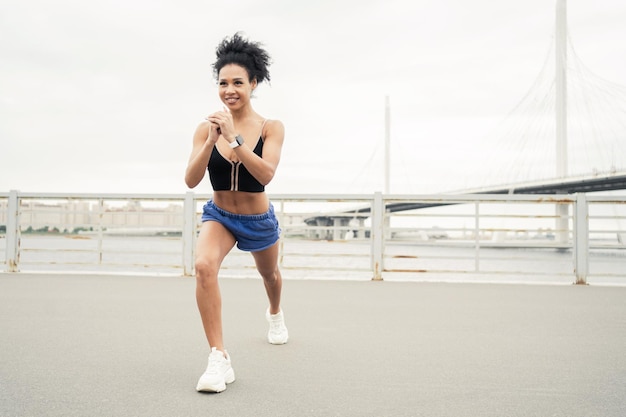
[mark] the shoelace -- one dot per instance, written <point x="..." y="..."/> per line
<point x="276" y="324"/>
<point x="215" y="360"/>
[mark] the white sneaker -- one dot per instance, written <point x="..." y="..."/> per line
<point x="278" y="334"/>
<point x="218" y="373"/>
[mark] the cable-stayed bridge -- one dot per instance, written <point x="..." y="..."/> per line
<point x="566" y="135"/>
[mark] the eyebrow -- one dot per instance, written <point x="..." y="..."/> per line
<point x="234" y="79"/>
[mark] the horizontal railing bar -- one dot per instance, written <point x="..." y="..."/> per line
<point x="149" y="265"/>
<point x="483" y="215"/>
<point x="95" y="251"/>
<point x="487" y="244"/>
<point x="485" y="272"/>
<point x="489" y="227"/>
<point x="390" y="198"/>
<point x="323" y="268"/>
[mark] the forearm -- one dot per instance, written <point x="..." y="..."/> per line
<point x="263" y="168"/>
<point x="263" y="171"/>
<point x="197" y="166"/>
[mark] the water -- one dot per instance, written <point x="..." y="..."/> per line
<point x="310" y="259"/>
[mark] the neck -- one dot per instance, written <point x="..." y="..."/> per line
<point x="242" y="113"/>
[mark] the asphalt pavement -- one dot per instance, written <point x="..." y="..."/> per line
<point x="97" y="345"/>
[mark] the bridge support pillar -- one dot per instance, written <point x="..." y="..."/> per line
<point x="336" y="232"/>
<point x="340" y="228"/>
<point x="360" y="234"/>
<point x="323" y="233"/>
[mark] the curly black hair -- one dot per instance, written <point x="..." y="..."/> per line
<point x="247" y="54"/>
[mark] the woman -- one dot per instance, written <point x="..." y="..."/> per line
<point x="241" y="150"/>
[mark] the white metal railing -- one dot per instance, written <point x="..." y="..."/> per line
<point x="569" y="236"/>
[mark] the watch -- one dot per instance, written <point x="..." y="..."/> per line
<point x="237" y="142"/>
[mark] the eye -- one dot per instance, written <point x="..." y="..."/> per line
<point x="238" y="82"/>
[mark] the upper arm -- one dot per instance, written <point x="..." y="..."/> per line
<point x="197" y="162"/>
<point x="273" y="138"/>
<point x="199" y="138"/>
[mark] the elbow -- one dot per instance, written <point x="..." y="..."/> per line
<point x="192" y="181"/>
<point x="267" y="177"/>
<point x="191" y="184"/>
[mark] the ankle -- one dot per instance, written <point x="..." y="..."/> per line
<point x="220" y="350"/>
<point x="274" y="312"/>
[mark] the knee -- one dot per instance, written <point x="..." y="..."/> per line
<point x="206" y="272"/>
<point x="271" y="277"/>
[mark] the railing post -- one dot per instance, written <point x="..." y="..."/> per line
<point x="13" y="233"/>
<point x="189" y="231"/>
<point x="581" y="239"/>
<point x="281" y="221"/>
<point x="377" y="236"/>
<point x="100" y="230"/>
<point x="477" y="236"/>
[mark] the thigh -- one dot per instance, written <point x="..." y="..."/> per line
<point x="267" y="260"/>
<point x="214" y="242"/>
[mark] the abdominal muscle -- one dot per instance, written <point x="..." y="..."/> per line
<point x="241" y="202"/>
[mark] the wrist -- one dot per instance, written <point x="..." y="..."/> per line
<point x="236" y="142"/>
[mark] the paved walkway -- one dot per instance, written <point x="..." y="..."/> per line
<point x="83" y="345"/>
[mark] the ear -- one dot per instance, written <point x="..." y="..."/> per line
<point x="253" y="83"/>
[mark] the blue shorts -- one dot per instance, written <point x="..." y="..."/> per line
<point x="253" y="232"/>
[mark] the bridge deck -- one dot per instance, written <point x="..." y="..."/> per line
<point x="78" y="345"/>
<point x="612" y="182"/>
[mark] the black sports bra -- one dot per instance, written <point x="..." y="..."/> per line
<point x="227" y="175"/>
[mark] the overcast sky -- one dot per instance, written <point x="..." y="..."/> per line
<point x="105" y="96"/>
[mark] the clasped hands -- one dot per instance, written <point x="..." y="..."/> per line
<point x="221" y="124"/>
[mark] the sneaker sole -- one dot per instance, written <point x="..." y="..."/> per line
<point x="210" y="388"/>
<point x="229" y="378"/>
<point x="277" y="342"/>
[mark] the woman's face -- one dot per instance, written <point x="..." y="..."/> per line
<point x="235" y="88"/>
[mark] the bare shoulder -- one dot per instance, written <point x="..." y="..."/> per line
<point x="203" y="125"/>
<point x="274" y="128"/>
<point x="202" y="130"/>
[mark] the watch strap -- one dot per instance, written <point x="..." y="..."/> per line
<point x="237" y="142"/>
